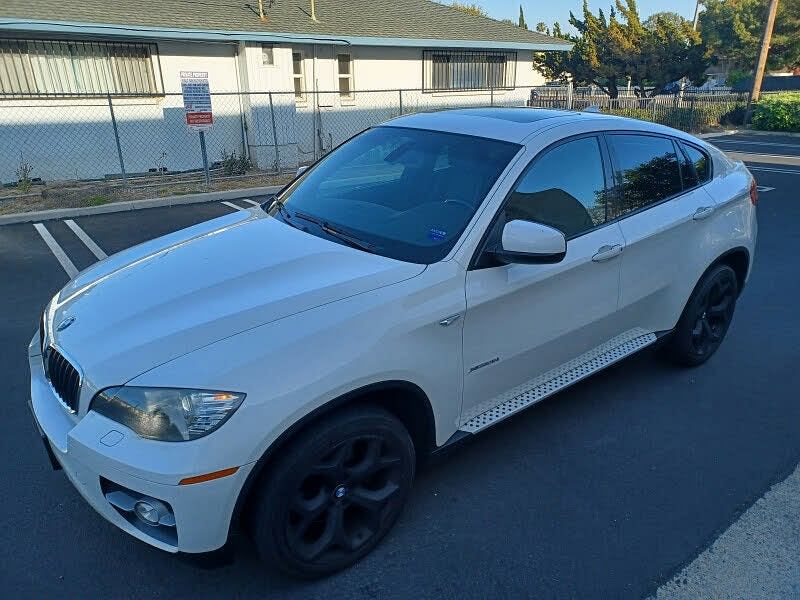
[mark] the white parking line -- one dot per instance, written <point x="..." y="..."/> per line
<point x="57" y="251"/>
<point x="84" y="237"/>
<point x="763" y="188"/>
<point x="232" y="205"/>
<point x="250" y="202"/>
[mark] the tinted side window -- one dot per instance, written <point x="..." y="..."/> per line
<point x="647" y="171"/>
<point x="700" y="161"/>
<point x="564" y="188"/>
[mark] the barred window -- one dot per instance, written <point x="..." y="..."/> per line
<point x="299" y="76"/>
<point x="345" y="72"/>
<point x="468" y="70"/>
<point x="34" y="67"/>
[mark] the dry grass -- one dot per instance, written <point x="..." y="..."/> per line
<point x="73" y="194"/>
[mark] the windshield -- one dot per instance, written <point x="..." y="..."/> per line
<point x="403" y="193"/>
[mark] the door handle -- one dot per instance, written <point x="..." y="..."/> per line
<point x="703" y="212"/>
<point x="607" y="252"/>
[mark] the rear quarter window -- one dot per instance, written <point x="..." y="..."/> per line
<point x="697" y="165"/>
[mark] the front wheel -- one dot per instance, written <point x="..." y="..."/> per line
<point x="334" y="494"/>
<point x="706" y="318"/>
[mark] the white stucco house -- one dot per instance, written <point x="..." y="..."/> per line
<point x="287" y="87"/>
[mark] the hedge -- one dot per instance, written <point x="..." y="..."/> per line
<point x="778" y="112"/>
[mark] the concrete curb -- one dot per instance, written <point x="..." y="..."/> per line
<point x="705" y="136"/>
<point x="748" y="132"/>
<point x="66" y="213"/>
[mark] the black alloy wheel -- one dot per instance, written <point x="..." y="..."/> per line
<point x="336" y="492"/>
<point x="713" y="315"/>
<point x="706" y="318"/>
<point x="344" y="498"/>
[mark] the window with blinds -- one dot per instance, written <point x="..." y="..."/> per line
<point x="40" y="67"/>
<point x="444" y="70"/>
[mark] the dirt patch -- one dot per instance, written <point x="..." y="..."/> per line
<point x="74" y="194"/>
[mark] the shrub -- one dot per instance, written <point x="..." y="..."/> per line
<point x="233" y="164"/>
<point x="778" y="112"/>
<point x="24" y="176"/>
<point x="735" y="116"/>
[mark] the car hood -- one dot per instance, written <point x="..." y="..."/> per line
<point x="166" y="297"/>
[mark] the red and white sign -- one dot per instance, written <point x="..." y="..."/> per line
<point x="197" y="100"/>
<point x="199" y="118"/>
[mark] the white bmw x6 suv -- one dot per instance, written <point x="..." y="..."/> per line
<point x="425" y="280"/>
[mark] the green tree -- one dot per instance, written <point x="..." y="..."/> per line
<point x="670" y="50"/>
<point x="608" y="50"/>
<point x="732" y="29"/>
<point x="471" y="9"/>
<point x="541" y="27"/>
<point x="521" y="21"/>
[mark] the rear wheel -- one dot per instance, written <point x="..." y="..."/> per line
<point x="336" y="492"/>
<point x="706" y="318"/>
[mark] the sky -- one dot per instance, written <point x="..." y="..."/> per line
<point x="558" y="10"/>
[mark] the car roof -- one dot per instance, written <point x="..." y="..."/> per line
<point x="513" y="124"/>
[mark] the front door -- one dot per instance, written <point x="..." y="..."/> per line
<point x="524" y="319"/>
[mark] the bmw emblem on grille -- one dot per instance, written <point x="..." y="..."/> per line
<point x="65" y="323"/>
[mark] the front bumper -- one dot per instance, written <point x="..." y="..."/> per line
<point x="99" y="455"/>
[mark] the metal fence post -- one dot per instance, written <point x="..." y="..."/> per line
<point x="116" y="139"/>
<point x="243" y="124"/>
<point x="205" y="156"/>
<point x="274" y="134"/>
<point x="691" y="114"/>
<point x="491" y="95"/>
<point x="569" y="96"/>
<point x="400" y="99"/>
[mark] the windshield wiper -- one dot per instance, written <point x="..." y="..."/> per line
<point x="286" y="216"/>
<point x="332" y="231"/>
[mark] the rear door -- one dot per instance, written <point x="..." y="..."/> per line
<point x="663" y="212"/>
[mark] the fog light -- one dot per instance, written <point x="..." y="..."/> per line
<point x="150" y="511"/>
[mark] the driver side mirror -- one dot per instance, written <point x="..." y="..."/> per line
<point x="526" y="242"/>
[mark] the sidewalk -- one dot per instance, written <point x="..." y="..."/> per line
<point x="757" y="557"/>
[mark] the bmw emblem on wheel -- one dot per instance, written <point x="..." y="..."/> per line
<point x="65" y="323"/>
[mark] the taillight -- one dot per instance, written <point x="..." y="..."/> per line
<point x="753" y="192"/>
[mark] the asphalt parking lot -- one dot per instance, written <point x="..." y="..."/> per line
<point x="606" y="490"/>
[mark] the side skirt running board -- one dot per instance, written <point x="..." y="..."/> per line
<point x="559" y="378"/>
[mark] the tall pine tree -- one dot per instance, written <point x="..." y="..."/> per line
<point x="521" y="22"/>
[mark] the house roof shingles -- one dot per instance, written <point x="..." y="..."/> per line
<point x="405" y="19"/>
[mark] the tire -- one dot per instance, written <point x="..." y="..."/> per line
<point x="705" y="320"/>
<point x="334" y="494"/>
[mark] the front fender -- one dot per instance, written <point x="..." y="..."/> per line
<point x="293" y="366"/>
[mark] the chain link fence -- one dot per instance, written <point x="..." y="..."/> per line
<point x="694" y="109"/>
<point x="80" y="151"/>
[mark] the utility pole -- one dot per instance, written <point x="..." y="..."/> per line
<point x="694" y="28"/>
<point x="761" y="64"/>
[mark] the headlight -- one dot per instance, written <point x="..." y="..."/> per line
<point x="167" y="414"/>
